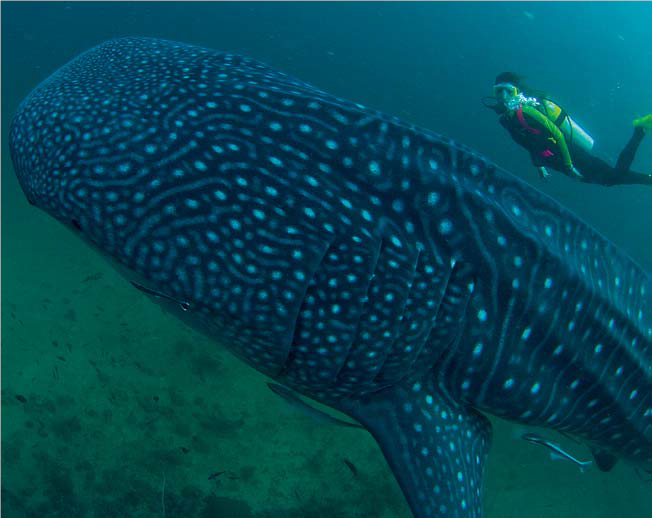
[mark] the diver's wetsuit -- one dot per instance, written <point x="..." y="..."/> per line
<point x="592" y="168"/>
<point x="595" y="170"/>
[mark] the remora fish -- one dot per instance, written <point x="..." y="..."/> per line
<point x="556" y="450"/>
<point x="297" y="402"/>
<point x="371" y="265"/>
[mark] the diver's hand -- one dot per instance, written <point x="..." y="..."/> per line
<point x="574" y="172"/>
<point x="543" y="173"/>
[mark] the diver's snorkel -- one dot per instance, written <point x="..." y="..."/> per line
<point x="493" y="103"/>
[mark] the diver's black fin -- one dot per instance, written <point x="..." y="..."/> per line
<point x="435" y="445"/>
<point x="604" y="460"/>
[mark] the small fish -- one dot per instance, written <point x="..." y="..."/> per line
<point x="184" y="305"/>
<point x="215" y="474"/>
<point x="316" y="414"/>
<point x="93" y="277"/>
<point x="557" y="451"/>
<point x="351" y="467"/>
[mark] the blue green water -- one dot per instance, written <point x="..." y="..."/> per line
<point x="124" y="412"/>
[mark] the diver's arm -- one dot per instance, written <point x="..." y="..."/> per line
<point x="537" y="159"/>
<point x="518" y="137"/>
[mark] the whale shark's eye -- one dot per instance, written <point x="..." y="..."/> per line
<point x="75" y="224"/>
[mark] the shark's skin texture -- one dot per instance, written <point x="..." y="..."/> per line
<point x="377" y="267"/>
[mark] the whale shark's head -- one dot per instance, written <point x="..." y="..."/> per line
<point x="224" y="185"/>
<point x="96" y="141"/>
<point x="148" y="146"/>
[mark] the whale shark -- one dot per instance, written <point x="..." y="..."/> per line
<point x="357" y="260"/>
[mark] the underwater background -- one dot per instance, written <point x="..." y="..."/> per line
<point x="111" y="408"/>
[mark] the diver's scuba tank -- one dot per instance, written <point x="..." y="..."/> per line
<point x="573" y="132"/>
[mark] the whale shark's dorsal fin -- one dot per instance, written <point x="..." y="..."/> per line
<point x="435" y="445"/>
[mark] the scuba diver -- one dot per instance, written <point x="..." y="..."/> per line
<point x="556" y="141"/>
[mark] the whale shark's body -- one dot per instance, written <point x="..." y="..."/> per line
<point x="371" y="265"/>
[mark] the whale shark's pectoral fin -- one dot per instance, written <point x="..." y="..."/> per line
<point x="435" y="446"/>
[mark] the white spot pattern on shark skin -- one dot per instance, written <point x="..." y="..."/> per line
<point x="335" y="233"/>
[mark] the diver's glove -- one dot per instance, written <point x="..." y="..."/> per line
<point x="573" y="172"/>
<point x="543" y="173"/>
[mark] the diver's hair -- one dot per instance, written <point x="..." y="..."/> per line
<point x="510" y="77"/>
<point x="519" y="82"/>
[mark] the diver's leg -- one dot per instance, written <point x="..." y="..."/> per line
<point x="631" y="177"/>
<point x="625" y="159"/>
<point x="595" y="170"/>
<point x="626" y="156"/>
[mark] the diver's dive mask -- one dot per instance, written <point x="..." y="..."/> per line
<point x="505" y="91"/>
